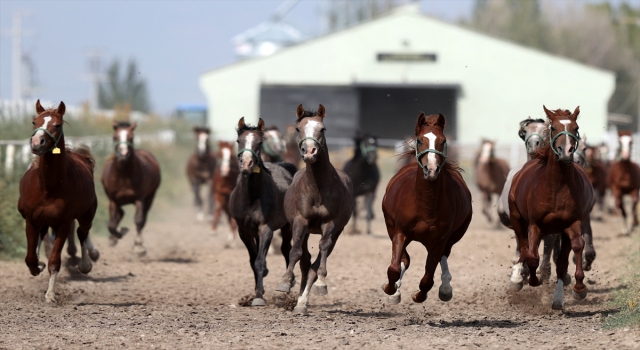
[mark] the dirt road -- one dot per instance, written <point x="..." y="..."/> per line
<point x="186" y="294"/>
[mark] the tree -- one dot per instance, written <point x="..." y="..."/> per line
<point x="120" y="92"/>
<point x="342" y="14"/>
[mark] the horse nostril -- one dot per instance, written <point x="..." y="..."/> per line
<point x="41" y="142"/>
<point x="537" y="143"/>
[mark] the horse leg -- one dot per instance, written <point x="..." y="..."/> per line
<point x="327" y="242"/>
<point x="247" y="237"/>
<point x="198" y="199"/>
<point x="532" y="258"/>
<point x="397" y="268"/>
<point x="216" y="215"/>
<point x="115" y="215"/>
<point x="522" y="245"/>
<point x="309" y="281"/>
<point x="426" y="283"/>
<point x="561" y="270"/>
<point x="354" y="229"/>
<point x="285" y="247"/>
<point x="140" y="220"/>
<point x="577" y="245"/>
<point x="589" y="252"/>
<point x="369" y="198"/>
<point x="486" y="205"/>
<point x="265" y="234"/>
<point x="88" y="252"/>
<point x="232" y="224"/>
<point x="634" y="212"/>
<point x="617" y="194"/>
<point x="299" y="236"/>
<point x="211" y="201"/>
<point x="48" y="239"/>
<point x="445" y="292"/>
<point x="72" y="250"/>
<point x="34" y="238"/>
<point x="545" y="266"/>
<point x="55" y="260"/>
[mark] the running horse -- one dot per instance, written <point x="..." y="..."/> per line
<point x="597" y="173"/>
<point x="273" y="146"/>
<point x="57" y="189"/>
<point x="257" y="202"/>
<point x="200" y="168"/>
<point x="364" y="174"/>
<point x="624" y="179"/>
<point x="552" y="195"/>
<point x="130" y="176"/>
<point x="292" y="152"/>
<point x="429" y="202"/>
<point x="319" y="201"/>
<point x="224" y="181"/>
<point x="491" y="174"/>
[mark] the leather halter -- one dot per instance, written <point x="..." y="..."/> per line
<point x="443" y="154"/>
<point x="55" y="144"/>
<point x="565" y="132"/>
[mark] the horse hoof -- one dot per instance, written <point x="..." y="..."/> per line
<point x="444" y="294"/>
<point x="516" y="287"/>
<point x="50" y="298"/>
<point x="84" y="268"/>
<point x="283" y="287"/>
<point x="113" y="240"/>
<point x="319" y="290"/>
<point x="94" y="254"/>
<point x="300" y="310"/>
<point x="557" y="305"/>
<point x="258" y="302"/>
<point x="579" y="296"/>
<point x="200" y="217"/>
<point x="419" y="297"/>
<point x="394" y="299"/>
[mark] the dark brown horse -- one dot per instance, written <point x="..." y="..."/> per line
<point x="624" y="179"/>
<point x="292" y="152"/>
<point x="130" y="176"/>
<point x="200" y="168"/>
<point x="491" y="175"/>
<point x="273" y="146"/>
<point x="597" y="173"/>
<point x="257" y="202"/>
<point x="552" y="195"/>
<point x="224" y="181"/>
<point x="57" y="189"/>
<point x="428" y="202"/>
<point x="364" y="174"/>
<point x="319" y="201"/>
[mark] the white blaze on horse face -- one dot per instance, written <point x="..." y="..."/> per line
<point x="277" y="143"/>
<point x="40" y="134"/>
<point x="226" y="159"/>
<point x="485" y="152"/>
<point x="248" y="144"/>
<point x="123" y="148"/>
<point x="202" y="142"/>
<point x="309" y="131"/>
<point x="431" y="157"/>
<point x="566" y="122"/>
<point x="625" y="146"/>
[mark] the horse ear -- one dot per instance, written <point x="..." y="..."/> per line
<point x="440" y="121"/>
<point x="576" y="112"/>
<point x="115" y="125"/>
<point x="241" y="123"/>
<point x="584" y="139"/>
<point x="420" y="123"/>
<point x="260" y="125"/>
<point x="196" y="129"/>
<point x="299" y="111"/>
<point x="61" y="108"/>
<point x="547" y="112"/>
<point x="39" y="108"/>
<point x="321" y="111"/>
<point x="133" y="126"/>
<point x="522" y="133"/>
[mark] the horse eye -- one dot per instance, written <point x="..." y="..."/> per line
<point x="297" y="130"/>
<point x="34" y="123"/>
<point x="57" y="126"/>
<point x="323" y="130"/>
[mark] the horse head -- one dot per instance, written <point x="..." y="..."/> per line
<point x="626" y="139"/>
<point x="123" y="139"/>
<point x="580" y="155"/>
<point x="250" y="143"/>
<point x="486" y="151"/>
<point x="224" y="154"/>
<point x="430" y="141"/>
<point x="274" y="144"/>
<point x="534" y="133"/>
<point x="564" y="137"/>
<point x="310" y="129"/>
<point x="202" y="138"/>
<point x="368" y="145"/>
<point x="47" y="129"/>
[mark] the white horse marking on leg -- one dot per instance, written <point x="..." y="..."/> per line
<point x="50" y="296"/>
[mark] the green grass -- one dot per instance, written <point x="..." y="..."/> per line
<point x="627" y="300"/>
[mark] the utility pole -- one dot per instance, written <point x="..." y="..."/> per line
<point x="16" y="59"/>
<point x="94" y="64"/>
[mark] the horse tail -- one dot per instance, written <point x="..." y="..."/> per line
<point x="292" y="169"/>
<point x="85" y="153"/>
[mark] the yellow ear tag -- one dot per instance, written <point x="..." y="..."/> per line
<point x="56" y="150"/>
<point x="256" y="169"/>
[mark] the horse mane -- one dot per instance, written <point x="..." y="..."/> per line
<point x="529" y="120"/>
<point x="307" y="113"/>
<point x="247" y="127"/>
<point x="85" y="153"/>
<point x="122" y="124"/>
<point x="450" y="166"/>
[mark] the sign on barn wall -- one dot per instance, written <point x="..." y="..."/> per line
<point x="407" y="57"/>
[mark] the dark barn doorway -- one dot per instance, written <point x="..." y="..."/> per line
<point x="390" y="111"/>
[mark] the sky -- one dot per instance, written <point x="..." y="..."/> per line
<point x="173" y="42"/>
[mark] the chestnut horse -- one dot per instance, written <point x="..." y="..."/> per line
<point x="130" y="176"/>
<point x="428" y="202"/>
<point x="200" y="168"/>
<point x="319" y="201"/>
<point x="224" y="181"/>
<point x="364" y="174"/>
<point x="491" y="174"/>
<point x="624" y="179"/>
<point x="597" y="173"/>
<point x="257" y="202"/>
<point x="273" y="146"/>
<point x="57" y="189"/>
<point x="552" y="195"/>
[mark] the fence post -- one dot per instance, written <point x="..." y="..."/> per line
<point x="8" y="162"/>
